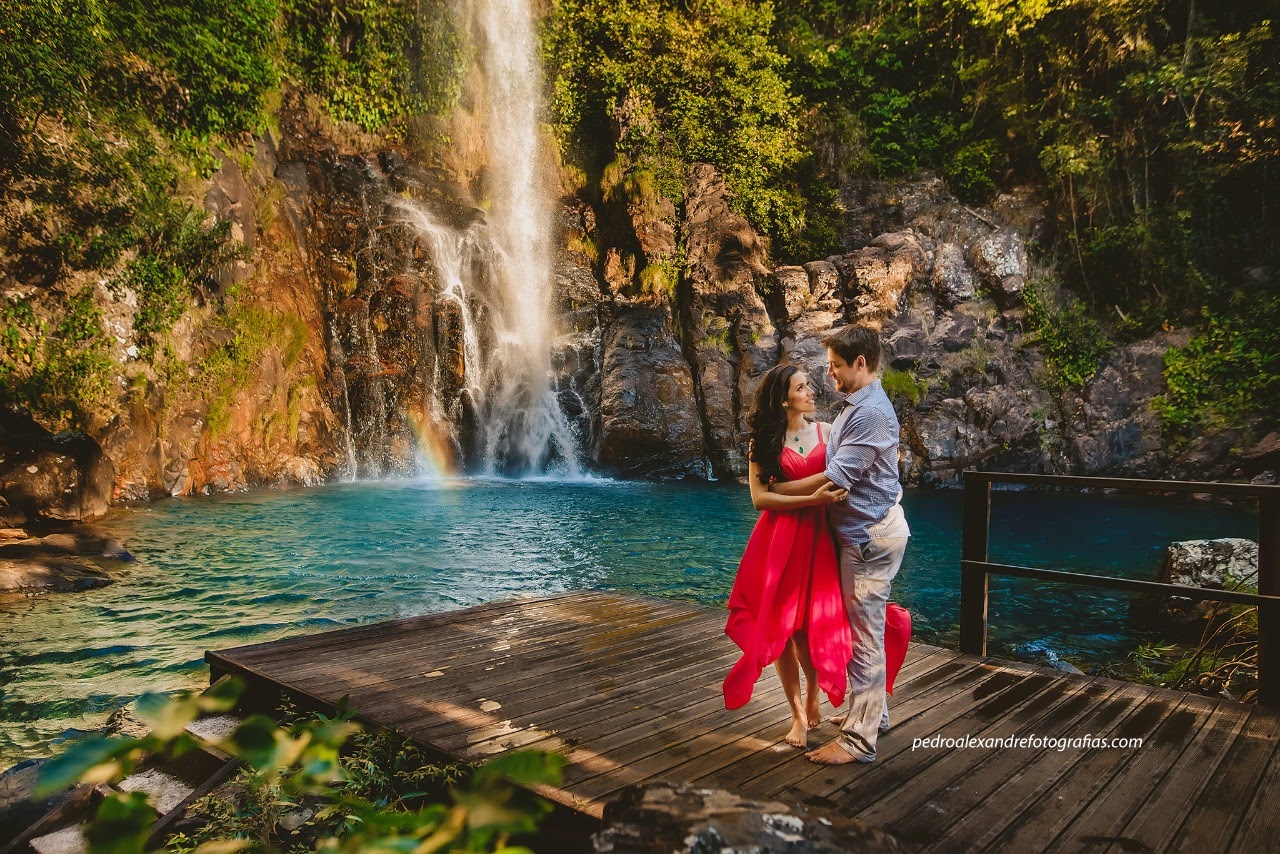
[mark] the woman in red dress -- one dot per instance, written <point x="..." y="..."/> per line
<point x="786" y="607"/>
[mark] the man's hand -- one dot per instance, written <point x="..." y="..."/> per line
<point x="829" y="493"/>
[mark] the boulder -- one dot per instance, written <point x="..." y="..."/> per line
<point x="906" y="346"/>
<point x="952" y="280"/>
<point x="50" y="574"/>
<point x="1224" y="564"/>
<point x="63" y="477"/>
<point x="661" y="818"/>
<point x="876" y="279"/>
<point x="1264" y="455"/>
<point x="824" y="284"/>
<point x="1001" y="259"/>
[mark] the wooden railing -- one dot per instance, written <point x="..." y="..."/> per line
<point x="975" y="568"/>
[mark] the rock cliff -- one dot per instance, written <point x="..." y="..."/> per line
<point x="668" y="316"/>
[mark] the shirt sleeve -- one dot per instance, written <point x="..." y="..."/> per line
<point x="868" y="436"/>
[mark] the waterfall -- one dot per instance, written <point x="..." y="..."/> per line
<point x="496" y="274"/>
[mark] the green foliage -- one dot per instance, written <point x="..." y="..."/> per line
<point x="682" y="83"/>
<point x="1153" y="126"/>
<point x="376" y="62"/>
<point x="969" y="171"/>
<point x="328" y="764"/>
<point x="195" y="69"/>
<point x="903" y="385"/>
<point x="218" y="57"/>
<point x="1228" y="372"/>
<point x="1068" y="336"/>
<point x="62" y="374"/>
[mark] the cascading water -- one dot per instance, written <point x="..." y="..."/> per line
<point x="497" y="272"/>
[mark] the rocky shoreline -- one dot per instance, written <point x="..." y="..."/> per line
<point x="63" y="561"/>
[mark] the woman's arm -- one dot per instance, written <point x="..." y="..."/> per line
<point x="768" y="498"/>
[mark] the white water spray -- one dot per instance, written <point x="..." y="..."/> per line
<point x="498" y="271"/>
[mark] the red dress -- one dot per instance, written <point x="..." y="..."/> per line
<point x="788" y="581"/>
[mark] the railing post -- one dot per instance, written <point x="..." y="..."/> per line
<point x="973" y="584"/>
<point x="1269" y="612"/>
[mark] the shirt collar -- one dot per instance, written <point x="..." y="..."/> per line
<point x="854" y="398"/>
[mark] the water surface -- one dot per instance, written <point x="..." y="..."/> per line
<point x="231" y="570"/>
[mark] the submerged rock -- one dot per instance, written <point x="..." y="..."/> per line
<point x="59" y="562"/>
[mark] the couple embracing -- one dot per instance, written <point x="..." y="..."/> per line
<point x="812" y="591"/>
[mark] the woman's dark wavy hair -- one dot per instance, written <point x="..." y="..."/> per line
<point x="768" y="422"/>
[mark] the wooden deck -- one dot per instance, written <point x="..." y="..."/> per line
<point x="628" y="689"/>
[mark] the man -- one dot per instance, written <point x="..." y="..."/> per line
<point x="870" y="529"/>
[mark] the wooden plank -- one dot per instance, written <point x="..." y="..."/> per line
<point x="386" y="628"/>
<point x="1144" y="773"/>
<point x="546" y="696"/>
<point x="396" y="674"/>
<point x="767" y="740"/>
<point x="554" y="617"/>
<point x="543" y="675"/>
<point x="806" y="781"/>
<point x="994" y="809"/>
<point x="1185" y="784"/>
<point x="905" y="786"/>
<point x="972" y="774"/>
<point x="1090" y="771"/>
<point x="628" y="689"/>
<point x="1213" y="819"/>
<point x="1259" y="825"/>
<point x="824" y="786"/>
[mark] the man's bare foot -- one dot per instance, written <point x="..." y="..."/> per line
<point x="813" y="712"/>
<point x="799" y="735"/>
<point x="830" y="753"/>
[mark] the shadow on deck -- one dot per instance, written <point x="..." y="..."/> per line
<point x="627" y="688"/>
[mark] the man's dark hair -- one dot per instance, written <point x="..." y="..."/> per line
<point x="853" y="341"/>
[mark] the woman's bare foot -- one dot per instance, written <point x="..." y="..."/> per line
<point x="813" y="711"/>
<point x="799" y="735"/>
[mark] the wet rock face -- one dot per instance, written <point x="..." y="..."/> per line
<point x="663" y="818"/>
<point x="729" y="339"/>
<point x="649" y="423"/>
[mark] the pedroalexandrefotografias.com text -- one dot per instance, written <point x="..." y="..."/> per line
<point x="1025" y="742"/>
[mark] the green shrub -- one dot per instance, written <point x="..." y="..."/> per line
<point x="62" y="376"/>
<point x="1069" y="338"/>
<point x="376" y="62"/>
<point x="354" y="785"/>
<point x="903" y="385"/>
<point x="969" y="171"/>
<point x="1228" y="372"/>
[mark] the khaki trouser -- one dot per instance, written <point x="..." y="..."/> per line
<point x="866" y="575"/>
